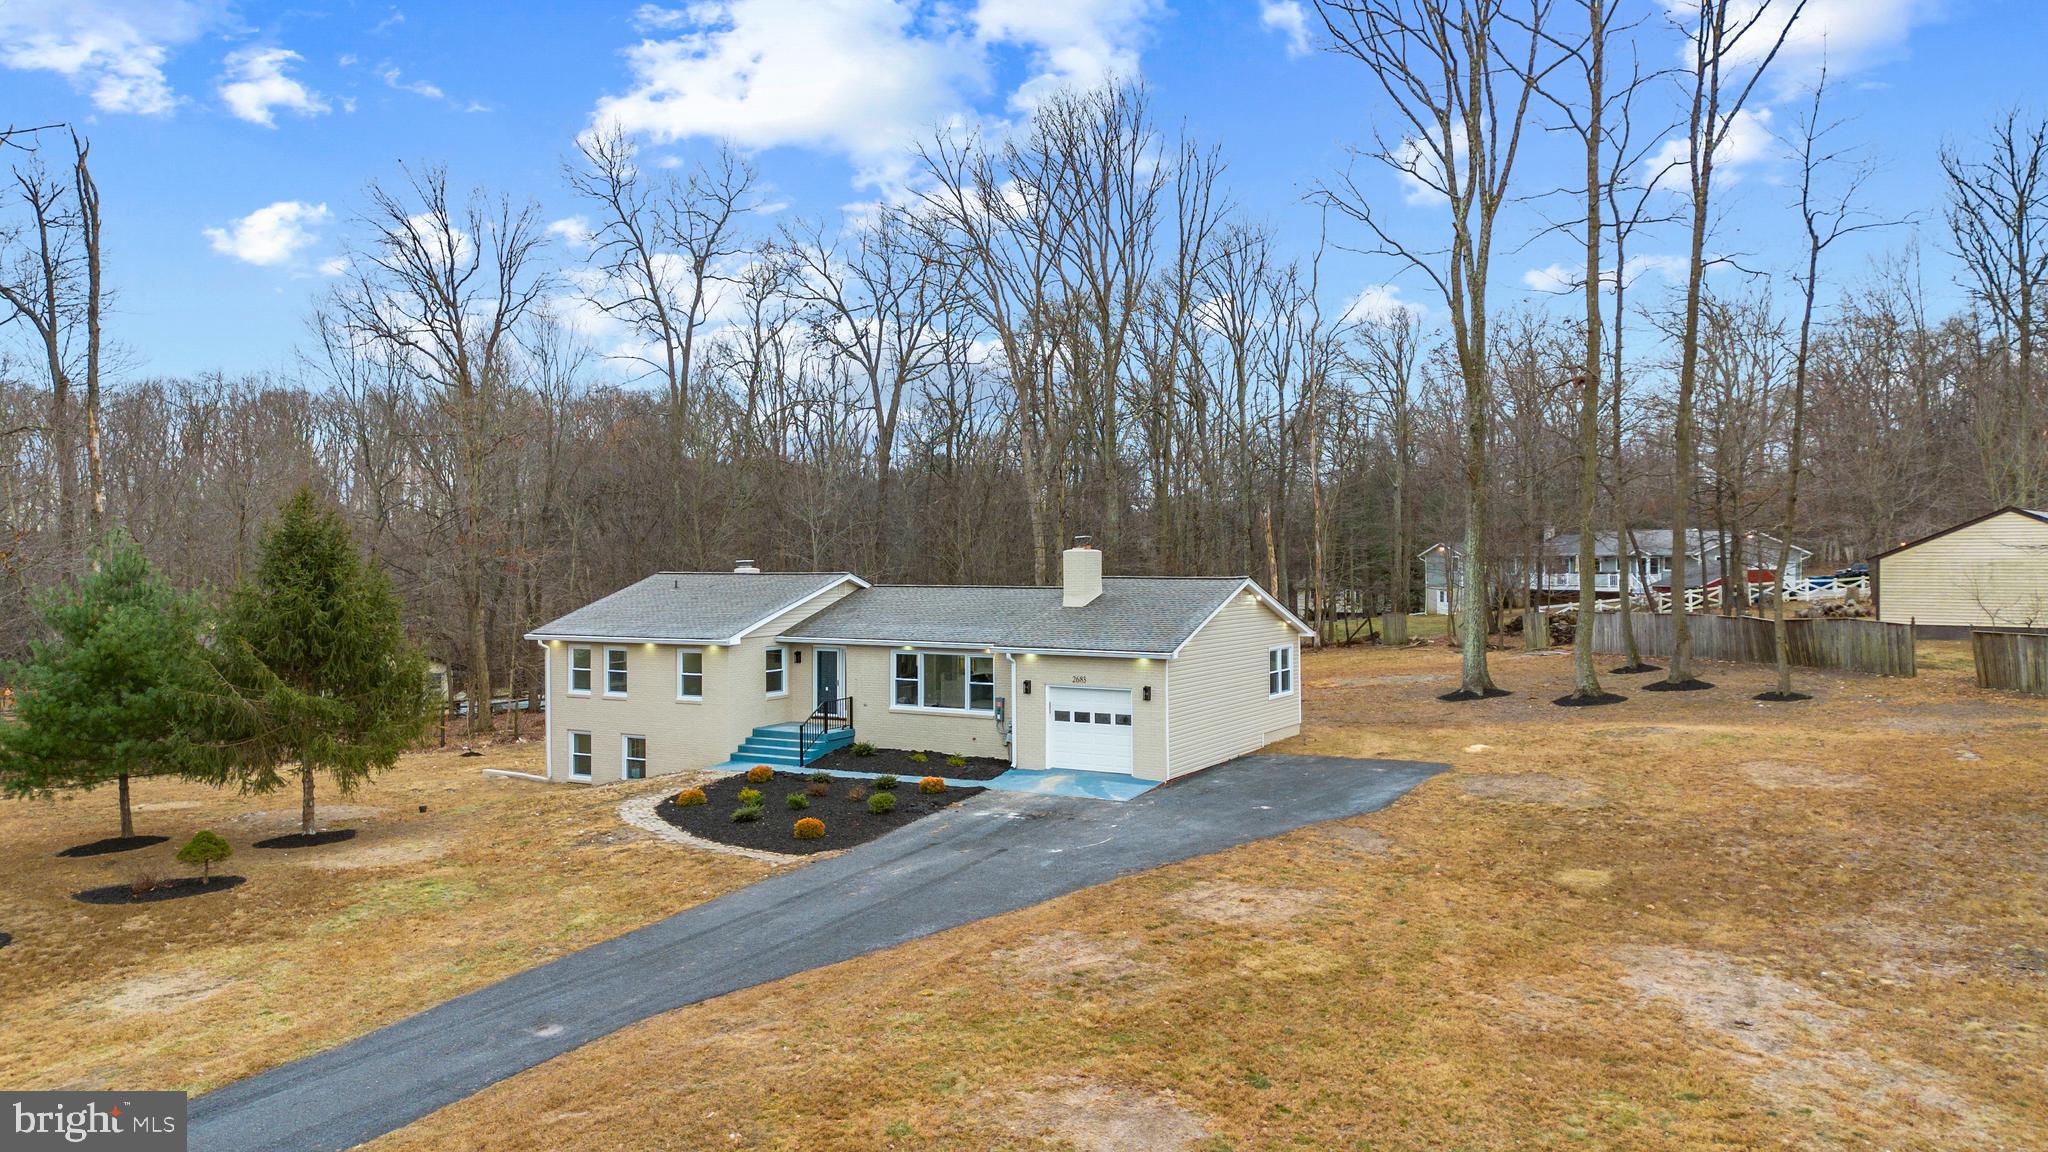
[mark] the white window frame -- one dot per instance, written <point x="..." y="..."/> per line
<point x="1280" y="668"/>
<point x="589" y="670"/>
<point x="625" y="670"/>
<point x="684" y="696"/>
<point x="967" y="660"/>
<point x="625" y="761"/>
<point x="589" y="757"/>
<point x="779" y="670"/>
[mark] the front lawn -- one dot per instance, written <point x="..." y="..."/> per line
<point x="845" y="807"/>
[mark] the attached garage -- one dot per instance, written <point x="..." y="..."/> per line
<point x="1090" y="730"/>
<point x="1989" y="572"/>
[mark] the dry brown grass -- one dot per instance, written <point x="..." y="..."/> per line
<point x="1644" y="946"/>
<point x="321" y="944"/>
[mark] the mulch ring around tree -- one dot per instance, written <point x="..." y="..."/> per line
<point x="302" y="840"/>
<point x="176" y="889"/>
<point x="111" y="845"/>
<point x="6" y="938"/>
<point x="897" y="762"/>
<point x="1681" y="686"/>
<point x="1776" y="697"/>
<point x="1635" y="669"/>
<point x="847" y="820"/>
<point x="1588" y="701"/>
<point x="1462" y="695"/>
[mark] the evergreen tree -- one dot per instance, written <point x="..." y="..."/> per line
<point x="313" y="641"/>
<point x="116" y="689"/>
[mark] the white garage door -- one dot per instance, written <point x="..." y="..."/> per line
<point x="1090" y="729"/>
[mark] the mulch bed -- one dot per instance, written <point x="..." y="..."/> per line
<point x="897" y="762"/>
<point x="1636" y="669"/>
<point x="1589" y="701"/>
<point x="6" y="938"/>
<point x="301" y="840"/>
<point x="1461" y="695"/>
<point x="165" y="890"/>
<point x="1776" y="697"/>
<point x="112" y="844"/>
<point x="1681" y="686"/>
<point x="847" y="821"/>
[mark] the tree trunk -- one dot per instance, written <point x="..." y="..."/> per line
<point x="306" y="822"/>
<point x="127" y="812"/>
<point x="1585" y="680"/>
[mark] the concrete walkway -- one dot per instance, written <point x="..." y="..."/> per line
<point x="995" y="853"/>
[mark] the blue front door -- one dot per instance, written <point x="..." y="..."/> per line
<point x="827" y="669"/>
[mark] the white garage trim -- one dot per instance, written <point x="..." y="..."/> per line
<point x="1103" y="743"/>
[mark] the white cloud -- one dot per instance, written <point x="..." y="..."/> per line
<point x="1553" y="278"/>
<point x="255" y="85"/>
<point x="1286" y="17"/>
<point x="334" y="266"/>
<point x="1845" y="34"/>
<point x="1421" y="171"/>
<point x="862" y="78"/>
<point x="1381" y="302"/>
<point x="1749" y="141"/>
<point x="574" y="231"/>
<point x="393" y="78"/>
<point x="1560" y="278"/>
<point x="113" y="49"/>
<point x="273" y="235"/>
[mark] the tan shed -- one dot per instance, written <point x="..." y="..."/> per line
<point x="1990" y="572"/>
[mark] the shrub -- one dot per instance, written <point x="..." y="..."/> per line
<point x="746" y="814"/>
<point x="821" y="777"/>
<point x="818" y="791"/>
<point x="750" y="797"/>
<point x="810" y="828"/>
<point x="797" y="801"/>
<point x="142" y="882"/>
<point x="205" y="849"/>
<point x="855" y="793"/>
<point x="760" y="774"/>
<point x="956" y="761"/>
<point x="861" y="748"/>
<point x="690" y="798"/>
<point x="918" y="757"/>
<point x="881" y="802"/>
<point x="931" y="785"/>
<point x="885" y="783"/>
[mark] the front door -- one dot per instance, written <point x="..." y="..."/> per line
<point x="828" y="670"/>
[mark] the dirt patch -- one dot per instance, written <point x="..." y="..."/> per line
<point x="1776" y="774"/>
<point x="1385" y="681"/>
<point x="1225" y="902"/>
<point x="1584" y="881"/>
<point x="1107" y="1118"/>
<point x="1532" y="788"/>
<point x="1063" y="958"/>
<point x="170" y="993"/>
<point x="388" y="854"/>
<point x="1363" y="840"/>
<point x="287" y="819"/>
<point x="167" y="805"/>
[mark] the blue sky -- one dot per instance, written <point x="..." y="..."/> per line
<point x="232" y="141"/>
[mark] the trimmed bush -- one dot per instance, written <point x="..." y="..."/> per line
<point x="885" y="783"/>
<point x="690" y="798"/>
<point x="760" y="774"/>
<point x="810" y="828"/>
<point x="956" y="761"/>
<point x="821" y="777"/>
<point x="818" y="791"/>
<point x="861" y="748"/>
<point x="881" y="802"/>
<point x="797" y="801"/>
<point x="750" y="797"/>
<point x="856" y="792"/>
<point x="918" y="757"/>
<point x="931" y="785"/>
<point x="746" y="814"/>
<point x="205" y="849"/>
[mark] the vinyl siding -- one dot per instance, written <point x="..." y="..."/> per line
<point x="1217" y="703"/>
<point x="1148" y="718"/>
<point x="1991" y="574"/>
<point x="682" y="736"/>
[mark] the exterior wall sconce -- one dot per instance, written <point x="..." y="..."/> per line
<point x="1148" y="693"/>
<point x="1027" y="687"/>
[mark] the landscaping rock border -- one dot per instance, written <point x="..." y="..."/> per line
<point x="639" y="812"/>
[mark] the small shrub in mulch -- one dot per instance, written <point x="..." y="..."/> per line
<point x="746" y="814"/>
<point x="809" y="828"/>
<point x="111" y="845"/>
<point x="844" y="814"/>
<point x="302" y="840"/>
<point x="932" y="785"/>
<point x="1694" y="685"/>
<point x="882" y="803"/>
<point x="760" y="774"/>
<point x="911" y="764"/>
<point x="885" y="783"/>
<point x="688" y="797"/>
<point x="797" y="801"/>
<point x="177" y="889"/>
<point x="818" y="789"/>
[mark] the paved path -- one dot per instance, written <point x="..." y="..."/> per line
<point x="994" y="853"/>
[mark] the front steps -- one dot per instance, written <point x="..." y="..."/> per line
<point x="776" y="746"/>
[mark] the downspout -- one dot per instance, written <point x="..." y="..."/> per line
<point x="1010" y="713"/>
<point x="547" y="674"/>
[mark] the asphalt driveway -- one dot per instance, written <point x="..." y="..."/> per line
<point x="994" y="853"/>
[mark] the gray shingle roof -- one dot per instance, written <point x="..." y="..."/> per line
<point x="700" y="607"/>
<point x="1148" y="615"/>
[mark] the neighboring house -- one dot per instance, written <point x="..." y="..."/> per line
<point x="1443" y="572"/>
<point x="1649" y="569"/>
<point x="1989" y="572"/>
<point x="1155" y="677"/>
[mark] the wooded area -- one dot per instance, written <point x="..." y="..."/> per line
<point x="1066" y="329"/>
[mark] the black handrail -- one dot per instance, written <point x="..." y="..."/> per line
<point x="824" y="714"/>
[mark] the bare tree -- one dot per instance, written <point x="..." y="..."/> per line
<point x="1461" y="98"/>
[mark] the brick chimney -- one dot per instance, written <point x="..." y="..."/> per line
<point x="1080" y="574"/>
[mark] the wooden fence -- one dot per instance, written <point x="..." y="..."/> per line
<point x="2011" y="661"/>
<point x="1837" y="645"/>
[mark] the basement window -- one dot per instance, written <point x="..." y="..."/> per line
<point x="579" y="755"/>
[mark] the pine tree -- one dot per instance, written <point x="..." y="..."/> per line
<point x="115" y="690"/>
<point x="314" y="642"/>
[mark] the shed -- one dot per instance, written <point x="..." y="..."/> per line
<point x="1987" y="572"/>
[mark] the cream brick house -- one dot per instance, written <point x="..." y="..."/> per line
<point x="1151" y="677"/>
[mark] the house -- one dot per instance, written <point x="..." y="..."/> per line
<point x="1649" y="569"/>
<point x="1153" y="677"/>
<point x="1987" y="572"/>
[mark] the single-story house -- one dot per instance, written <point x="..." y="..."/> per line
<point x="1154" y="677"/>
<point x="1987" y="572"/>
